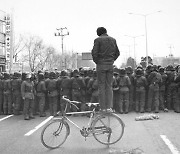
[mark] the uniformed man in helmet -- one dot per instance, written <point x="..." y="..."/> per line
<point x="115" y="87"/>
<point x="124" y="85"/>
<point x="1" y="93"/>
<point x="140" y="84"/>
<point x="171" y="87"/>
<point x="78" y="89"/>
<point x="28" y="95"/>
<point x="52" y="93"/>
<point x="64" y="88"/>
<point x="16" y="92"/>
<point x="162" y="89"/>
<point x="130" y="73"/>
<point x="154" y="81"/>
<point x="40" y="93"/>
<point x="7" y="104"/>
<point x="177" y="81"/>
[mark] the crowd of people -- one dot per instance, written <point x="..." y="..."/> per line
<point x="149" y="89"/>
<point x="36" y="93"/>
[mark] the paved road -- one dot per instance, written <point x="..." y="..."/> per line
<point x="161" y="136"/>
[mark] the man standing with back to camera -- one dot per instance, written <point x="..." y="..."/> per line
<point x="105" y="51"/>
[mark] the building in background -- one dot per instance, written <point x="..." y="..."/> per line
<point x="6" y="41"/>
<point x="85" y="60"/>
<point x="168" y="60"/>
<point x="2" y="41"/>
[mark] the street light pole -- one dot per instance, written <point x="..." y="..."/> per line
<point x="62" y="38"/>
<point x="145" y="20"/>
<point x="134" y="39"/>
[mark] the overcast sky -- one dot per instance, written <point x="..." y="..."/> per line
<point x="82" y="17"/>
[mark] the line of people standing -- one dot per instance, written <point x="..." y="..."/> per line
<point x="35" y="93"/>
<point x="145" y="90"/>
<point x="142" y="90"/>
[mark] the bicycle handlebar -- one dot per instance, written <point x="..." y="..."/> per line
<point x="76" y="102"/>
<point x="70" y="102"/>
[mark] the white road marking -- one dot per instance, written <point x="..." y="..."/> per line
<point x="38" y="126"/>
<point x="6" y="117"/>
<point x="173" y="149"/>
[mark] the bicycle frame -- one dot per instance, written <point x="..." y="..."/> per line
<point x="99" y="124"/>
<point x="85" y="131"/>
<point x="64" y="117"/>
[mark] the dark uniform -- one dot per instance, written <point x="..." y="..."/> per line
<point x="154" y="80"/>
<point x="124" y="85"/>
<point x="140" y="84"/>
<point x="130" y="74"/>
<point x="171" y="87"/>
<point x="78" y="89"/>
<point x="41" y="94"/>
<point x="52" y="93"/>
<point x="115" y="87"/>
<point x="16" y="92"/>
<point x="7" y="104"/>
<point x="1" y="94"/>
<point x="46" y="79"/>
<point x="93" y="88"/>
<point x="146" y="74"/>
<point x="177" y="81"/>
<point x="64" y="86"/>
<point x="28" y="93"/>
<point x="162" y="89"/>
<point x="86" y="79"/>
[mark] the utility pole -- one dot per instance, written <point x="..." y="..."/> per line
<point x="62" y="34"/>
<point x="134" y="38"/>
<point x="145" y="24"/>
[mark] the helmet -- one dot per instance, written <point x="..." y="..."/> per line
<point x="1" y="76"/>
<point x="161" y="69"/>
<point x="129" y="70"/>
<point x="15" y="75"/>
<point x="64" y="73"/>
<point x="139" y="67"/>
<point x="28" y="75"/>
<point x="116" y="71"/>
<point x="177" y="68"/>
<point x="46" y="74"/>
<point x="154" y="68"/>
<point x="39" y="71"/>
<point x="95" y="73"/>
<point x="75" y="72"/>
<point x="52" y="75"/>
<point x="139" y="72"/>
<point x="90" y="72"/>
<point x="6" y="75"/>
<point x="40" y="76"/>
<point x="23" y="77"/>
<point x="122" y="71"/>
<point x="170" y="68"/>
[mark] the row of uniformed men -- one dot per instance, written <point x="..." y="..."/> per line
<point x="141" y="90"/>
<point x="44" y="92"/>
<point x="146" y="90"/>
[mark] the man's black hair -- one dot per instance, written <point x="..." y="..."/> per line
<point x="101" y="30"/>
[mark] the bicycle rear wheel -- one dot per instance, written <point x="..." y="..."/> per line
<point x="55" y="134"/>
<point x="107" y="128"/>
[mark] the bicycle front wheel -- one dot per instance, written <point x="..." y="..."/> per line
<point x="108" y="128"/>
<point x="54" y="134"/>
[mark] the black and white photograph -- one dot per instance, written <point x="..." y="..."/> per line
<point x="89" y="76"/>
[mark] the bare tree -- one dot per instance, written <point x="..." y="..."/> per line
<point x="35" y="53"/>
<point x="49" y="61"/>
<point x="41" y="57"/>
<point x="18" y="48"/>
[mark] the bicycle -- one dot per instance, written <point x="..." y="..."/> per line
<point x="55" y="133"/>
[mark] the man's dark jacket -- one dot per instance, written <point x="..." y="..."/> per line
<point x="105" y="50"/>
